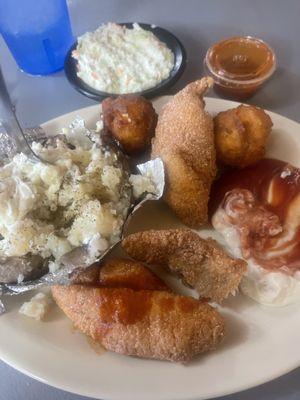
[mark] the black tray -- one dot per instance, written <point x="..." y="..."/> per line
<point x="163" y="35"/>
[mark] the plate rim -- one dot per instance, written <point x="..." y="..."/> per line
<point x="68" y="388"/>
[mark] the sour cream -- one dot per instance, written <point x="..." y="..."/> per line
<point x="266" y="287"/>
<point x="119" y="60"/>
<point x="257" y="212"/>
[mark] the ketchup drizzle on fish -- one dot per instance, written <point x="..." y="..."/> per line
<point x="275" y="186"/>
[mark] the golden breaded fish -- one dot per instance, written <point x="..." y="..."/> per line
<point x="120" y="272"/>
<point x="201" y="263"/>
<point x="141" y="322"/>
<point x="184" y="140"/>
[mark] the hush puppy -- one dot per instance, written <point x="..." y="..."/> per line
<point x="131" y="120"/>
<point x="241" y="135"/>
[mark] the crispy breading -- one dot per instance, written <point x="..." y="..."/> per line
<point x="241" y="135"/>
<point x="201" y="263"/>
<point x="184" y="141"/>
<point x="120" y="272"/>
<point x="145" y="323"/>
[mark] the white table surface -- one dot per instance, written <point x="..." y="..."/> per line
<point x="198" y="24"/>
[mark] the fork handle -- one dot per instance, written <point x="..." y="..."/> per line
<point x="9" y="121"/>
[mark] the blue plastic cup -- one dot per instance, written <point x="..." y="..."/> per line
<point x="37" y="32"/>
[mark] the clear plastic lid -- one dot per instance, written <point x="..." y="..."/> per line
<point x="240" y="60"/>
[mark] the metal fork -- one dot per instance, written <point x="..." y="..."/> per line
<point x="13" y="139"/>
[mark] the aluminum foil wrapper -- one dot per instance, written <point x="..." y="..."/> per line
<point x="153" y="169"/>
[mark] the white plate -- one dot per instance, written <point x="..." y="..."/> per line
<point x="261" y="343"/>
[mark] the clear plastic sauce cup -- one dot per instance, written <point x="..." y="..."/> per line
<point x="240" y="65"/>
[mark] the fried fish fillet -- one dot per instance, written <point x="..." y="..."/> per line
<point x="201" y="263"/>
<point x="120" y="272"/>
<point x="143" y="319"/>
<point x="184" y="140"/>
